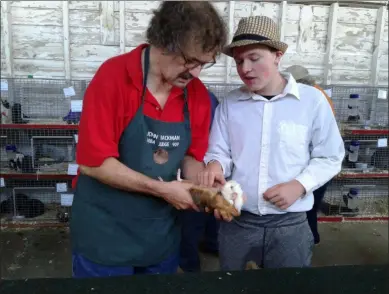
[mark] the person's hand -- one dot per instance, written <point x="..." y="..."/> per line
<point x="212" y="175"/>
<point x="285" y="194"/>
<point x="224" y="217"/>
<point x="220" y="216"/>
<point x="177" y="194"/>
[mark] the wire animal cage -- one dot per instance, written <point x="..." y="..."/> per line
<point x="356" y="198"/>
<point x="44" y="101"/>
<point x="37" y="149"/>
<point x="36" y="200"/>
<point x="379" y="116"/>
<point x="38" y="143"/>
<point x="360" y="107"/>
<point x="48" y="152"/>
<point x="367" y="154"/>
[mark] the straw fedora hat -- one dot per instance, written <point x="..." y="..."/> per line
<point x="256" y="30"/>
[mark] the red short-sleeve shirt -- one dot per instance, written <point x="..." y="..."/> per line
<point x="112" y="99"/>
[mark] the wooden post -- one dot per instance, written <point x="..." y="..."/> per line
<point x="122" y="26"/>
<point x="328" y="58"/>
<point x="7" y="30"/>
<point x="66" y="39"/>
<point x="231" y="12"/>
<point x="282" y="18"/>
<point x="378" y="40"/>
<point x="107" y="23"/>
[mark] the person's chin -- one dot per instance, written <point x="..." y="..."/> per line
<point x="181" y="83"/>
<point x="254" y="87"/>
<point x="251" y="83"/>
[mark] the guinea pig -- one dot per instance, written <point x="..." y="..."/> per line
<point x="233" y="193"/>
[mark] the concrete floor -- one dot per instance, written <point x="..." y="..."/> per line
<point x="45" y="253"/>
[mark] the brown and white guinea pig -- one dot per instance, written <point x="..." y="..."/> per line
<point x="233" y="193"/>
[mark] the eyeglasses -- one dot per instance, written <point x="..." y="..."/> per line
<point x="193" y="63"/>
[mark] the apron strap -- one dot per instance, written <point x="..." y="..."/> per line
<point x="146" y="64"/>
<point x="186" y="107"/>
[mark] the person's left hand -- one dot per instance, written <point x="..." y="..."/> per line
<point x="285" y="194"/>
<point x="225" y="217"/>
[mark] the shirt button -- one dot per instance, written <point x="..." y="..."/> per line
<point x="157" y="108"/>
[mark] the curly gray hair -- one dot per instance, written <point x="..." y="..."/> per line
<point x="179" y="25"/>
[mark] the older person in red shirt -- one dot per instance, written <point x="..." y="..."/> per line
<point x="145" y="115"/>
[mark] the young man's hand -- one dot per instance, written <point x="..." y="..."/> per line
<point x="285" y="194"/>
<point x="212" y="175"/>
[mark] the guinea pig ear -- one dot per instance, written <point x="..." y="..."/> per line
<point x="232" y="185"/>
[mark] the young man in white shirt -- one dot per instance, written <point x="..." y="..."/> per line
<point x="280" y="141"/>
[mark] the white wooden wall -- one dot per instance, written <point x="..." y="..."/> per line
<point x="70" y="39"/>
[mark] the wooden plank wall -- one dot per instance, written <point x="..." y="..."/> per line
<point x="59" y="39"/>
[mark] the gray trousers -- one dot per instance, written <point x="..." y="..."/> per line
<point x="271" y="241"/>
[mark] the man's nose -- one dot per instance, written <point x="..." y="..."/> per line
<point x="195" y="72"/>
<point x="246" y="67"/>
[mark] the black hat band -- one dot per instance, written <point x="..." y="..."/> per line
<point x="250" y="37"/>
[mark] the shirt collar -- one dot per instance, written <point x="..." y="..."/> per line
<point x="291" y="89"/>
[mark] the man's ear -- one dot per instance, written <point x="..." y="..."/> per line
<point x="279" y="55"/>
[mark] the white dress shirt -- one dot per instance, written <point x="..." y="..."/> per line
<point x="261" y="143"/>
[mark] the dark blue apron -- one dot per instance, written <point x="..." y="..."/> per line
<point x="116" y="228"/>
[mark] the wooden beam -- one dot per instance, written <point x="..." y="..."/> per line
<point x="282" y="18"/>
<point x="378" y="40"/>
<point x="66" y="39"/>
<point x="231" y="19"/>
<point x="342" y="3"/>
<point x="283" y="8"/>
<point x="122" y="26"/>
<point x="328" y="58"/>
<point x="7" y="31"/>
<point x="107" y="23"/>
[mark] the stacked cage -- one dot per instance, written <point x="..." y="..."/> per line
<point x="39" y="134"/>
<point x="361" y="188"/>
<point x="360" y="107"/>
<point x="38" y="147"/>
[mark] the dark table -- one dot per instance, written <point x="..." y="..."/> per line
<point x="325" y="280"/>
